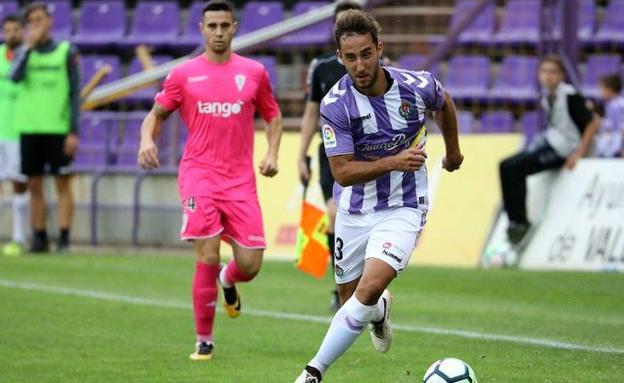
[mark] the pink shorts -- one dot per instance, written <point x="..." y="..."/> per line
<point x="238" y="221"/>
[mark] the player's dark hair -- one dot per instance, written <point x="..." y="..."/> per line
<point x="345" y="6"/>
<point x="556" y="60"/>
<point x="38" y="6"/>
<point x="11" y="19"/>
<point x="356" y="22"/>
<point x="612" y="81"/>
<point x="218" y="5"/>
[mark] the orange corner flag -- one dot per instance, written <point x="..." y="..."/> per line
<point x="312" y="250"/>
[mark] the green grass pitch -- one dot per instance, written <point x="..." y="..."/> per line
<point x="105" y="318"/>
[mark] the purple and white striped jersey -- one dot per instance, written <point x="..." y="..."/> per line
<point x="374" y="127"/>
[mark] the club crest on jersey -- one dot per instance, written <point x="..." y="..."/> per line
<point x="406" y="110"/>
<point x="329" y="137"/>
<point x="191" y="204"/>
<point x="240" y="81"/>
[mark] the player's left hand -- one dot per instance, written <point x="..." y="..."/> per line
<point x="572" y="160"/>
<point x="70" y="145"/>
<point x="268" y="166"/>
<point x="452" y="162"/>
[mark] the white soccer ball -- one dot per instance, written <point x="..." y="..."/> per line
<point x="499" y="255"/>
<point x="450" y="370"/>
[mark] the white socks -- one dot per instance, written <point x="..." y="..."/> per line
<point x="20" y="216"/>
<point x="345" y="328"/>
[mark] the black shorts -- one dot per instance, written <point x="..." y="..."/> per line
<point x="326" y="177"/>
<point x="44" y="153"/>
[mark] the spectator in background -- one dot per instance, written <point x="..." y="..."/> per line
<point x="568" y="135"/>
<point x="12" y="33"/>
<point x="47" y="114"/>
<point x="610" y="139"/>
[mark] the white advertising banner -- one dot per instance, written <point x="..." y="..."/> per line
<point x="583" y="225"/>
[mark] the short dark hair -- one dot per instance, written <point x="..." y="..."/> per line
<point x="358" y="22"/>
<point x="612" y="81"/>
<point x="218" y="5"/>
<point x="556" y="60"/>
<point x="38" y="6"/>
<point x="345" y="6"/>
<point x="11" y="19"/>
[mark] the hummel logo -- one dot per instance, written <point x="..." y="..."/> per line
<point x="362" y="118"/>
<point x="197" y="78"/>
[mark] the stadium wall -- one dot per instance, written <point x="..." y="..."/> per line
<point x="463" y="203"/>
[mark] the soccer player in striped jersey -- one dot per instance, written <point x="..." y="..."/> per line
<point x="373" y="126"/>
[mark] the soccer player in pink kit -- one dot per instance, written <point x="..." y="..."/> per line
<point x="217" y="94"/>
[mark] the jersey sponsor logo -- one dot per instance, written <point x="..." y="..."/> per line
<point x="220" y="109"/>
<point x="407" y="110"/>
<point x="400" y="140"/>
<point x="197" y="78"/>
<point x="329" y="137"/>
<point x="240" y="81"/>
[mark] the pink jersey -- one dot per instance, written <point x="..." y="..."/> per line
<point x="217" y="102"/>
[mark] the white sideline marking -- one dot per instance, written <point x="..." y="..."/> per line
<point x="310" y="318"/>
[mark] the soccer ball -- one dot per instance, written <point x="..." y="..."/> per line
<point x="450" y="370"/>
<point x="499" y="255"/>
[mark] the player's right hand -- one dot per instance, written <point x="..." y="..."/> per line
<point x="148" y="155"/>
<point x="410" y="160"/>
<point x="304" y="171"/>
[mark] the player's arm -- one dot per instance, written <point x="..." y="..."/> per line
<point x="446" y="118"/>
<point x="150" y="130"/>
<point x="347" y="171"/>
<point x="309" y="124"/>
<point x="582" y="117"/>
<point x="274" y="128"/>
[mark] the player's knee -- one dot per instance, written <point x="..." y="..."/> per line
<point x="369" y="291"/>
<point x="506" y="167"/>
<point x="207" y="257"/>
<point x="251" y="267"/>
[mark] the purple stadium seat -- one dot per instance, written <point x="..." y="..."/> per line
<point x="8" y="8"/>
<point x="259" y="14"/>
<point x="129" y="143"/>
<point x="468" y="77"/>
<point x="414" y="62"/>
<point x="598" y="65"/>
<point x="270" y="63"/>
<point x="90" y="64"/>
<point x="61" y="12"/>
<point x="531" y="126"/>
<point x="521" y="24"/>
<point x="191" y="38"/>
<point x="155" y="23"/>
<point x="612" y="29"/>
<point x="316" y="34"/>
<point x="586" y="20"/>
<point x="98" y="134"/>
<point x="498" y="121"/>
<point x="102" y="24"/>
<point x="517" y="81"/>
<point x="465" y="121"/>
<point x="480" y="31"/>
<point x="145" y="96"/>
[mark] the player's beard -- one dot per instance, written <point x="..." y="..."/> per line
<point x="12" y="44"/>
<point x="373" y="78"/>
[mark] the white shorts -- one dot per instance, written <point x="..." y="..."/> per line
<point x="389" y="235"/>
<point x="10" y="162"/>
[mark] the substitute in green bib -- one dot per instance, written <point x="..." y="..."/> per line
<point x="12" y="33"/>
<point x="47" y="114"/>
